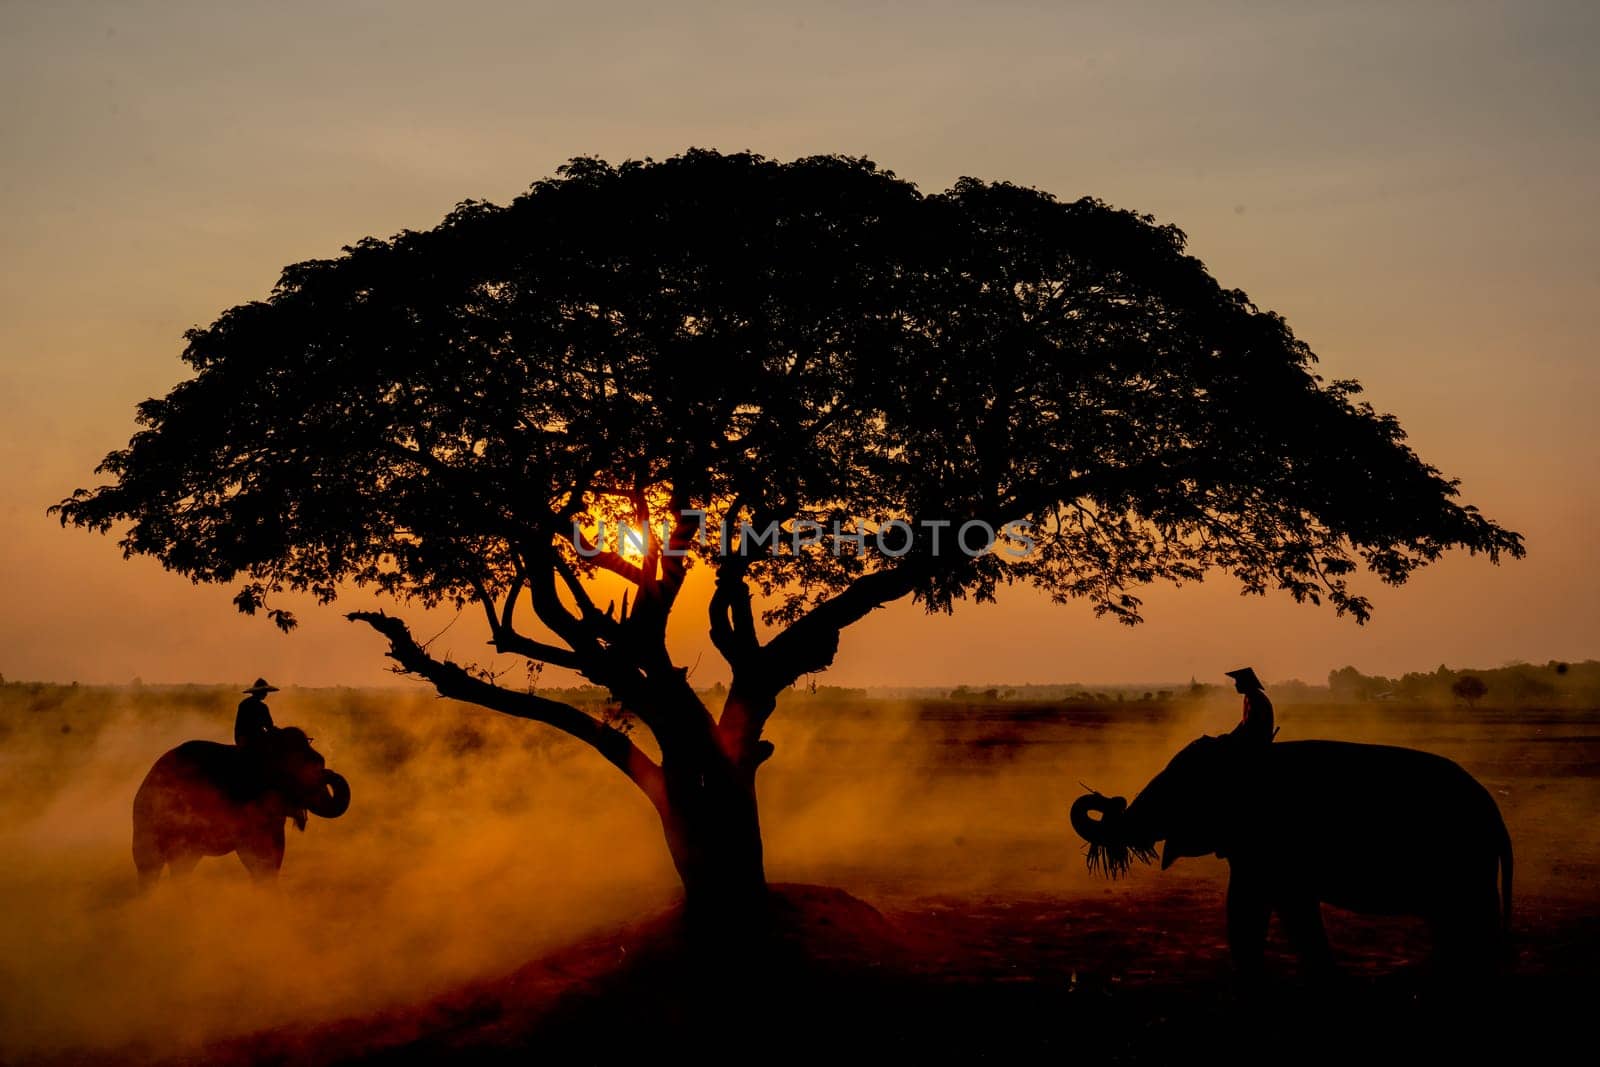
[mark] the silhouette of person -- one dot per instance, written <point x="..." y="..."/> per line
<point x="253" y="723"/>
<point x="1256" y="725"/>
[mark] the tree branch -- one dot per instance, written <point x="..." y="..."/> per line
<point x="506" y="638"/>
<point x="733" y="625"/>
<point x="606" y="559"/>
<point x="809" y="643"/>
<point x="453" y="681"/>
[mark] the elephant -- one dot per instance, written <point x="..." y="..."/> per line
<point x="208" y="799"/>
<point x="1373" y="829"/>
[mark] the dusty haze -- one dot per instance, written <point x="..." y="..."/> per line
<point x="476" y="843"/>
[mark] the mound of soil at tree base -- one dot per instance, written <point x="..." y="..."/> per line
<point x="1119" y="978"/>
<point x="625" y="990"/>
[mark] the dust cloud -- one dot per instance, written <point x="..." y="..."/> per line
<point x="475" y="843"/>
<point x="472" y="843"/>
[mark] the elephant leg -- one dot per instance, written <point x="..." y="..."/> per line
<point x="148" y="858"/>
<point x="262" y="855"/>
<point x="1302" y="920"/>
<point x="148" y="861"/>
<point x="183" y="863"/>
<point x="1249" y="911"/>
<point x="148" y="877"/>
<point x="1467" y="939"/>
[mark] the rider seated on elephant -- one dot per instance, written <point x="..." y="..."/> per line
<point x="254" y="732"/>
<point x="1256" y="725"/>
<point x="253" y="723"/>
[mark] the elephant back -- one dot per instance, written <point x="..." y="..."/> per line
<point x="203" y="764"/>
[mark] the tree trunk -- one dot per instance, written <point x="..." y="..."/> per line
<point x="714" y="832"/>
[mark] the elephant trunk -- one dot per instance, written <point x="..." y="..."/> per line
<point x="1100" y="829"/>
<point x="1112" y="844"/>
<point x="333" y="798"/>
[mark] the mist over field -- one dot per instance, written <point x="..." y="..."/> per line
<point x="472" y="843"/>
<point x="476" y="843"/>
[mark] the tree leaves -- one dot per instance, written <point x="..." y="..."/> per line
<point x="428" y="414"/>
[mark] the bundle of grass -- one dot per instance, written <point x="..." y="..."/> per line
<point x="1111" y="853"/>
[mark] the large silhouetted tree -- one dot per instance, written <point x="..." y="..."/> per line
<point x="432" y="415"/>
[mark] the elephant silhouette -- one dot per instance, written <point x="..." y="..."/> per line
<point x="1374" y="829"/>
<point x="208" y="799"/>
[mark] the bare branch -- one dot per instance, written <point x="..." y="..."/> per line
<point x="733" y="626"/>
<point x="809" y="643"/>
<point x="614" y="562"/>
<point x="453" y="681"/>
<point x="806" y="646"/>
<point x="505" y="637"/>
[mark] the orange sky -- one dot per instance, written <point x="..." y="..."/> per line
<point x="1414" y="190"/>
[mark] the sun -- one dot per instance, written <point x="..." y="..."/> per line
<point x="630" y="542"/>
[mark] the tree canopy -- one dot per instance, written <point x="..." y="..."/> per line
<point x="755" y="341"/>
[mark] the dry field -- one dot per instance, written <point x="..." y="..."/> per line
<point x="496" y="892"/>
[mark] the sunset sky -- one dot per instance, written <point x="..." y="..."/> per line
<point x="1412" y="186"/>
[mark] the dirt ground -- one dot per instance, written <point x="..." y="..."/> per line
<point x="492" y="897"/>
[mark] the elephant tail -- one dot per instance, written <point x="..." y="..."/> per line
<point x="1505" y="878"/>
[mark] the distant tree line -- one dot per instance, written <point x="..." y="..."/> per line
<point x="1518" y="684"/>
